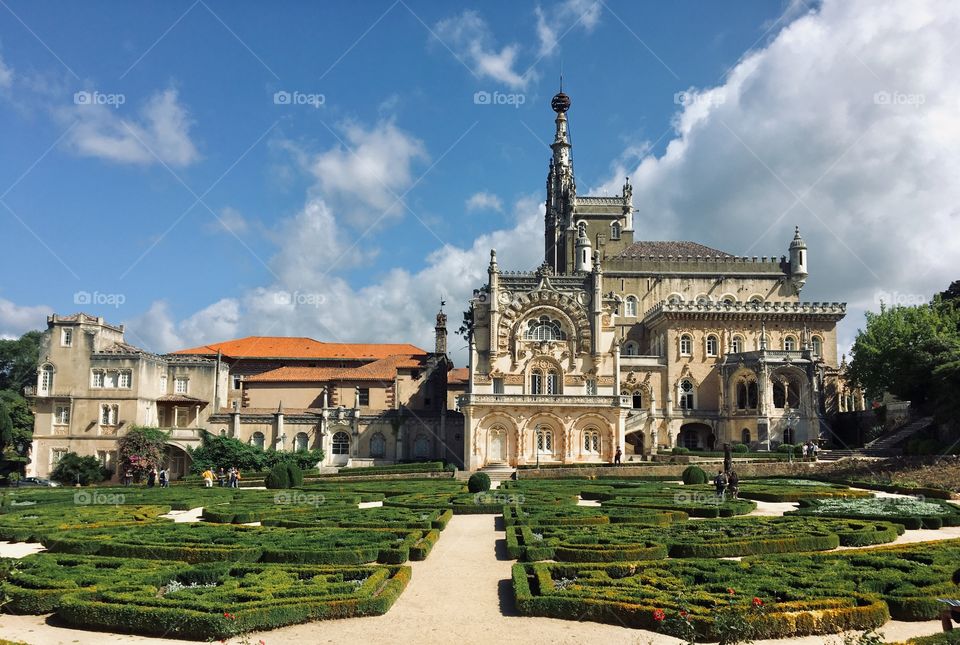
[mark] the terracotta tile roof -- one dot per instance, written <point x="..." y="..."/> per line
<point x="301" y="347"/>
<point x="382" y="370"/>
<point x="458" y="376"/>
<point x="674" y="248"/>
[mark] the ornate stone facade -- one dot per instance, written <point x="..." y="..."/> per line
<point x="616" y="343"/>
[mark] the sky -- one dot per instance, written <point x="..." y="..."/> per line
<point x="203" y="170"/>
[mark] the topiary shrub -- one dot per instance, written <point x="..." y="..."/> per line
<point x="478" y="483"/>
<point x="680" y="450"/>
<point x="786" y="448"/>
<point x="694" y="475"/>
<point x="294" y="475"/>
<point x="279" y="477"/>
<point x="740" y="447"/>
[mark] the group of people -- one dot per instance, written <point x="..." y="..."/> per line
<point x="155" y="477"/>
<point x="229" y="478"/>
<point x="726" y="482"/>
<point x="810" y="450"/>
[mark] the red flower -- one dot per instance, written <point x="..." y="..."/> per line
<point x="229" y="616"/>
<point x="683" y="614"/>
<point x="730" y="591"/>
<point x="658" y="615"/>
<point x="757" y="602"/>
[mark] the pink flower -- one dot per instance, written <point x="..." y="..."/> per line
<point x="683" y="614"/>
<point x="658" y="615"/>
<point x="730" y="591"/>
<point x="757" y="602"/>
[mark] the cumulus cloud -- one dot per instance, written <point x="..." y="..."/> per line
<point x="15" y="320"/>
<point x="364" y="177"/>
<point x="554" y="22"/>
<point x="844" y="124"/>
<point x="484" y="201"/>
<point x="469" y="37"/>
<point x="160" y="133"/>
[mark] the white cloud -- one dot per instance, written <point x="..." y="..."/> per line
<point x="468" y="35"/>
<point x="557" y="20"/>
<point x="229" y="220"/>
<point x="6" y="75"/>
<point x="15" y="320"/>
<point x="160" y="133"/>
<point x="364" y="178"/>
<point x="484" y="201"/>
<point x="846" y="124"/>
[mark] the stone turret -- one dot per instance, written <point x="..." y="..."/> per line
<point x="584" y="254"/>
<point x="798" y="260"/>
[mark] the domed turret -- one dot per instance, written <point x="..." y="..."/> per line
<point x="798" y="260"/>
<point x="584" y="254"/>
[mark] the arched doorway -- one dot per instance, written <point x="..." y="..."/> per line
<point x="340" y="448"/>
<point x="694" y="436"/>
<point x="498" y="445"/>
<point x="177" y="460"/>
<point x="635" y="441"/>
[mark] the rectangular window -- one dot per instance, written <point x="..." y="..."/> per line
<point x="592" y="386"/>
<point x="66" y="337"/>
<point x="61" y="414"/>
<point x="163" y="383"/>
<point x="182" y="417"/>
<point x="363" y="396"/>
<point x="96" y="379"/>
<point x="108" y="415"/>
<point x="180" y="385"/>
<point x="124" y="380"/>
<point x="498" y="386"/>
<point x="553" y="385"/>
<point x="106" y="458"/>
<point x="237" y="381"/>
<point x="56" y="454"/>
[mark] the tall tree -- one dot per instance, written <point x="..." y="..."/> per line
<point x="18" y="361"/>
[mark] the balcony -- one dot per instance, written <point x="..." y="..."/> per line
<point x="549" y="400"/>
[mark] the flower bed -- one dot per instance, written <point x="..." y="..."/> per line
<point x="864" y="589"/>
<point x="209" y="543"/>
<point x="706" y="539"/>
<point x="222" y="601"/>
<point x="911" y="513"/>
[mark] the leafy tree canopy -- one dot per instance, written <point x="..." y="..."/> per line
<point x="73" y="468"/>
<point x="141" y="449"/>
<point x="223" y="452"/>
<point x="18" y="361"/>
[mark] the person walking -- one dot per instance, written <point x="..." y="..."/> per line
<point x="720" y="482"/>
<point x="733" y="483"/>
<point x="221" y="477"/>
<point x="236" y="481"/>
<point x="804" y="449"/>
<point x="152" y="478"/>
<point x="232" y="477"/>
<point x="208" y="478"/>
<point x="164" y="482"/>
<point x="127" y="477"/>
<point x="617" y="456"/>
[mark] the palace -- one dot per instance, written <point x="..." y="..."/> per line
<point x="614" y="342"/>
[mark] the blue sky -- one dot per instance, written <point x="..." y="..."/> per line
<point x="177" y="190"/>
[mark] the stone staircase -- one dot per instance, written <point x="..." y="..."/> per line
<point x="498" y="473"/>
<point x="882" y="446"/>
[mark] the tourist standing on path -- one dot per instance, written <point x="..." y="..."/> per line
<point x="804" y="450"/>
<point x="152" y="478"/>
<point x="617" y="456"/>
<point x="236" y="480"/>
<point x="222" y="477"/>
<point x="127" y="477"/>
<point x="733" y="483"/>
<point x="720" y="482"/>
<point x="163" y="477"/>
<point x="208" y="478"/>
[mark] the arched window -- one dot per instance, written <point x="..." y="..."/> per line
<point x="703" y="299"/>
<point x="745" y="437"/>
<point x="630" y="348"/>
<point x="378" y="445"/>
<point x="793" y="394"/>
<point x="790" y="344"/>
<point x="630" y="307"/>
<point x="729" y="300"/>
<point x="108" y="414"/>
<point x="544" y="328"/>
<point x="736" y="345"/>
<point x="591" y="441"/>
<point x="817" y="346"/>
<point x="753" y="395"/>
<point x="544" y="439"/>
<point x="615" y="231"/>
<point x="340" y="443"/>
<point x="674" y="299"/>
<point x="756" y="300"/>
<point x="421" y="447"/>
<point x="686" y="345"/>
<point x="301" y="441"/>
<point x="581" y="229"/>
<point x="257" y="439"/>
<point x="686" y="392"/>
<point x="713" y="345"/>
<point x="45" y="380"/>
<point x="553" y="382"/>
<point x="788" y="435"/>
<point x="536" y="382"/>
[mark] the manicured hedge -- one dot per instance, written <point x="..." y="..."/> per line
<point x="30" y="524"/>
<point x="211" y="543"/>
<point x="911" y="513"/>
<point x="516" y="515"/>
<point x="384" y="517"/>
<point x="794" y="490"/>
<point x="242" y="598"/>
<point x="863" y="589"/>
<point x="421" y="467"/>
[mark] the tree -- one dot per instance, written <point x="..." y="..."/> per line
<point x="20" y="415"/>
<point x="6" y="429"/>
<point x="223" y="452"/>
<point x="900" y="347"/>
<point x="141" y="449"/>
<point x="72" y="469"/>
<point x="18" y="361"/>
